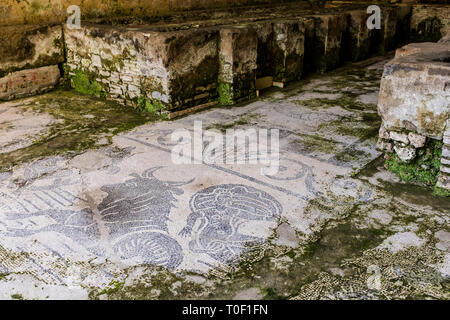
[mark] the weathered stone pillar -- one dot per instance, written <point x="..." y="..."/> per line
<point x="414" y="104"/>
<point x="359" y="36"/>
<point x="237" y="76"/>
<point x="280" y="52"/>
<point x="328" y="36"/>
<point x="193" y="66"/>
<point x="309" y="54"/>
<point x="389" y="27"/>
<point x="289" y="51"/>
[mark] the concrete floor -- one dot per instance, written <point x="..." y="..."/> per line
<point x="107" y="215"/>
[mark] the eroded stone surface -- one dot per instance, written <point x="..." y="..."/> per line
<point x="429" y="22"/>
<point x="238" y="55"/>
<point x="419" y="71"/>
<point x="19" y="127"/>
<point x="155" y="70"/>
<point x="29" y="47"/>
<point x="414" y="104"/>
<point x="29" y="82"/>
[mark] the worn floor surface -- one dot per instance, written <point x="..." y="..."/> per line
<point x="89" y="211"/>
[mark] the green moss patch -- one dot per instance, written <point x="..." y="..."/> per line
<point x="348" y="101"/>
<point x="225" y="95"/>
<point x="82" y="123"/>
<point x="222" y="127"/>
<point x="441" y="192"/>
<point x="152" y="107"/>
<point x="83" y="84"/>
<point x="424" y="169"/>
<point x="315" y="143"/>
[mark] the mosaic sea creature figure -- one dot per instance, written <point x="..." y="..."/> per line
<point x="220" y="211"/>
<point x="135" y="212"/>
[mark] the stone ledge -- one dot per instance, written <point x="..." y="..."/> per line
<point x="180" y="66"/>
<point x="29" y="82"/>
<point x="418" y="70"/>
<point x="28" y="47"/>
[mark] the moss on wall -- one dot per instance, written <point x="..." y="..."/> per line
<point x="225" y="94"/>
<point x="82" y="84"/>
<point x="423" y="170"/>
<point x="153" y="107"/>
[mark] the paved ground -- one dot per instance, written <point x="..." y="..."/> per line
<point x="89" y="212"/>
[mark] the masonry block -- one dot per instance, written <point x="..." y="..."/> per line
<point x="329" y="31"/>
<point x="403" y="27"/>
<point x="290" y="43"/>
<point x="238" y="53"/>
<point x="389" y="27"/>
<point x="156" y="68"/>
<point x="429" y="23"/>
<point x="309" y="35"/>
<point x="280" y="50"/>
<point x="414" y="91"/>
<point x="265" y="49"/>
<point x="359" y="36"/>
<point x="28" y="82"/>
<point x="30" y="46"/>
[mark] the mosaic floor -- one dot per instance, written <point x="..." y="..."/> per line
<point x="121" y="220"/>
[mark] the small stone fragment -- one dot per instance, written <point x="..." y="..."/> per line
<point x="417" y="140"/>
<point x="406" y="154"/>
<point x="381" y="216"/>
<point x="446" y="152"/>
<point x="400" y="241"/>
<point x="286" y="236"/>
<point x="248" y="294"/>
<point x="445" y="169"/>
<point x="385" y="145"/>
<point x="383" y="133"/>
<point x="398" y="136"/>
<point x="444" y="240"/>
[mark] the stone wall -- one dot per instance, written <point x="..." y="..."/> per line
<point x="429" y="22"/>
<point x="414" y="103"/>
<point x="169" y="68"/>
<point x="16" y="12"/>
<point x="24" y="51"/>
<point x="180" y="61"/>
<point x="154" y="70"/>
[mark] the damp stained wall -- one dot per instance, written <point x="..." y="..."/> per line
<point x="13" y="12"/>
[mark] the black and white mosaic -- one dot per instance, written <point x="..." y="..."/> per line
<point x="219" y="211"/>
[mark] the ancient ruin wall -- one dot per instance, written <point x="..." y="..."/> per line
<point x="414" y="104"/>
<point x="289" y="44"/>
<point x="15" y="12"/>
